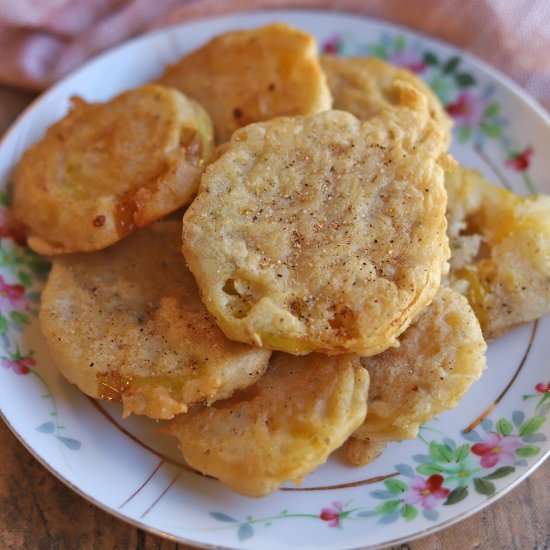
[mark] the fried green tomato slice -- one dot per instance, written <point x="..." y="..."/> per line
<point x="500" y="246"/>
<point x="253" y="75"/>
<point x="281" y="428"/>
<point x="363" y="86"/>
<point x="107" y="169"/>
<point x="440" y="356"/>
<point x="127" y="323"/>
<point x="323" y="233"/>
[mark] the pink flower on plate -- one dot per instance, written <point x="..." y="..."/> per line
<point x="426" y="492"/>
<point x="333" y="45"/>
<point x="332" y="514"/>
<point x="543" y="388"/>
<point x="410" y="60"/>
<point x="520" y="161"/>
<point x="467" y="110"/>
<point x="18" y="366"/>
<point x="497" y="448"/>
<point x="12" y="297"/>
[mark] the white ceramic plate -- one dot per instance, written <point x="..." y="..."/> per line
<point x="418" y="486"/>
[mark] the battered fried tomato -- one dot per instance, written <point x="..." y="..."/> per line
<point x="279" y="429"/>
<point x="127" y="323"/>
<point x="363" y="86"/>
<point x="500" y="246"/>
<point x="438" y="359"/>
<point x="253" y="75"/>
<point x="107" y="169"/>
<point x="323" y="233"/>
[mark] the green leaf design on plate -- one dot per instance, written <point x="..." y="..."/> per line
<point x="25" y="278"/>
<point x="518" y="417"/>
<point x="389" y="518"/>
<point x="409" y="512"/>
<point x="464" y="134"/>
<point x="430" y="59"/>
<point x="483" y="486"/>
<point x="462" y="452"/>
<point x="19" y="318"/>
<point x="492" y="109"/>
<point x="456" y="495"/>
<point x="365" y="514"/>
<point x="505" y="427"/>
<point x="440" y="453"/>
<point x="46" y="428"/>
<point x="379" y="51"/>
<point x="5" y="196"/>
<point x="463" y="80"/>
<point x="500" y="472"/>
<point x="40" y="266"/>
<point x="381" y="495"/>
<point x="245" y="531"/>
<point x="536" y="438"/>
<point x="430" y="514"/>
<point x="70" y="443"/>
<point x="451" y="65"/>
<point x="3" y="324"/>
<point x="528" y="450"/>
<point x="429" y="469"/>
<point x="223" y="517"/>
<point x="396" y="486"/>
<point x="405" y="470"/>
<point x="399" y="43"/>
<point x="387" y="507"/>
<point x="491" y="130"/>
<point x="531" y="426"/>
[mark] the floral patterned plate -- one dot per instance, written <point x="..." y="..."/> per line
<point x="461" y="461"/>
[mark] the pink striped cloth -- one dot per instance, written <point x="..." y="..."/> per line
<point x="41" y="40"/>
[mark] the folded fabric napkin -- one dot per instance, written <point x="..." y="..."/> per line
<point x="43" y="40"/>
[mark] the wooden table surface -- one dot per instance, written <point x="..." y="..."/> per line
<point x="38" y="511"/>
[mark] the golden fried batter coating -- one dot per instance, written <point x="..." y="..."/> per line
<point x="361" y="452"/>
<point x="323" y="233"/>
<point x="107" y="169"/>
<point x="439" y="358"/>
<point x="500" y="246"/>
<point x="249" y="76"/>
<point x="279" y="429"/>
<point x="127" y="323"/>
<point x="363" y="86"/>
